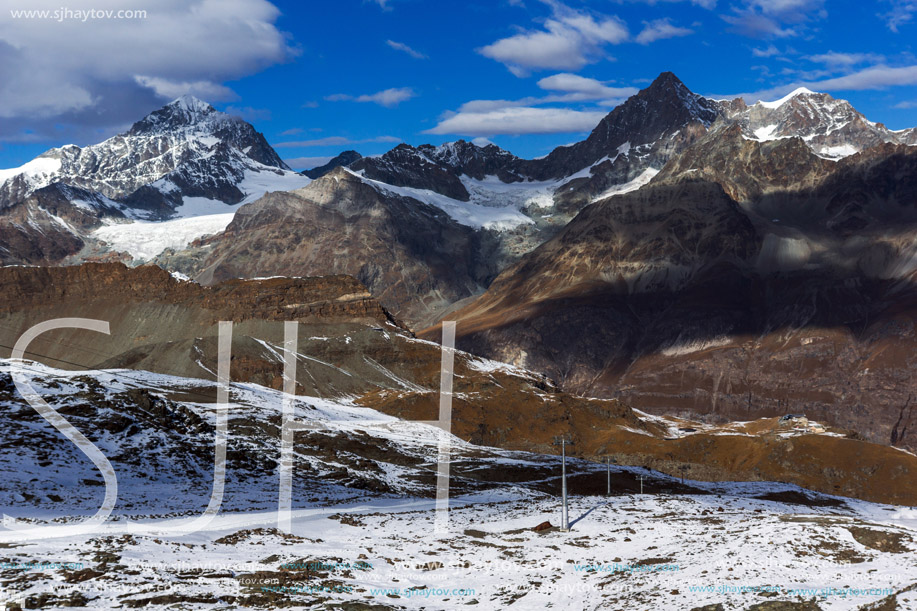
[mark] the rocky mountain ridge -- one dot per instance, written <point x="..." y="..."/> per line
<point x="739" y="259"/>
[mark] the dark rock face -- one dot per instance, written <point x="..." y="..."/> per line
<point x="405" y="166"/>
<point x="345" y="158"/>
<point x="475" y="161"/>
<point x="654" y="114"/>
<point x="439" y="168"/>
<point x="414" y="258"/>
<point x="46" y="227"/>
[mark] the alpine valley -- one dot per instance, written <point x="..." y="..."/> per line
<point x="715" y="299"/>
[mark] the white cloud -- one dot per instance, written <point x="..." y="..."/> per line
<point x="400" y="46"/>
<point x="906" y="105"/>
<point x="518" y="120"/>
<point x="333" y="141"/>
<point x="169" y="90"/>
<point x="388" y="97"/>
<point x="248" y="113"/>
<point x="580" y="88"/>
<point x="784" y="8"/>
<point x="569" y="88"/>
<point x="57" y="66"/>
<point x="755" y="25"/>
<point x="659" y="29"/>
<point x="570" y="40"/>
<point x="81" y="81"/>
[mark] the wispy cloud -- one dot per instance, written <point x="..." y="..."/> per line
<point x="769" y="51"/>
<point x="249" y="114"/>
<point x="773" y="18"/>
<point x="659" y="29"/>
<point x="875" y="77"/>
<point x="871" y="78"/>
<point x="518" y="120"/>
<point x="400" y="46"/>
<point x="529" y="116"/>
<point x="906" y="105"/>
<point x="387" y="97"/>
<point x="833" y="59"/>
<point x="902" y="12"/>
<point x="708" y="4"/>
<point x="170" y="89"/>
<point x="570" y="40"/>
<point x="333" y="141"/>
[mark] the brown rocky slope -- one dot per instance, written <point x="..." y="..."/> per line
<point x="349" y="346"/>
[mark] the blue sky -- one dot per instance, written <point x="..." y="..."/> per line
<point x="321" y="77"/>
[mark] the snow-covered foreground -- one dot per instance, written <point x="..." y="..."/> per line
<point x="365" y="533"/>
<point x="623" y="552"/>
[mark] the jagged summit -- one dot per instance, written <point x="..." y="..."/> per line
<point x="649" y="119"/>
<point x="670" y="94"/>
<point x="191" y="103"/>
<point x="665" y="82"/>
<point x="181" y="113"/>
<point x="342" y="159"/>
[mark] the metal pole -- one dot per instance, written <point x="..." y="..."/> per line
<point x="608" y="472"/>
<point x="565" y="524"/>
<point x="641" y="484"/>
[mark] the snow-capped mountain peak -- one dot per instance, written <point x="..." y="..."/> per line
<point x="180" y="115"/>
<point x="183" y="160"/>
<point x="190" y="104"/>
<point x="796" y="92"/>
<point x="832" y="128"/>
<point x="198" y="150"/>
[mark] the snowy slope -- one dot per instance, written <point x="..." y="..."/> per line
<point x="674" y="548"/>
<point x="494" y="203"/>
<point x="196" y="217"/>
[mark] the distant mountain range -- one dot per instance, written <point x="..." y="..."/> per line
<point x="708" y="257"/>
